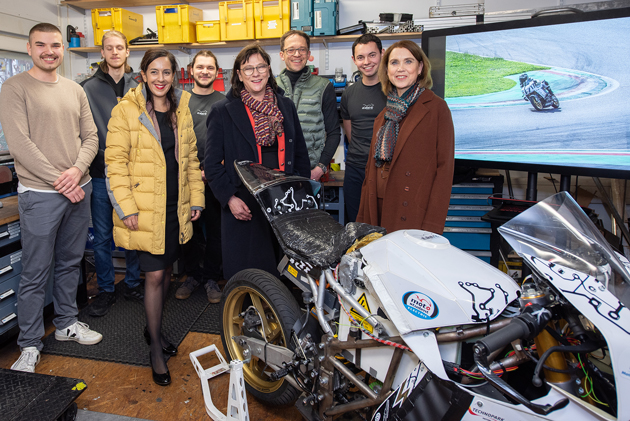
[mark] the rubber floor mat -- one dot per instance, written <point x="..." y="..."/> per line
<point x="210" y="320"/>
<point x="123" y="326"/>
<point x="33" y="396"/>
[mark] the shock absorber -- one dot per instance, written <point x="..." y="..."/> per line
<point x="532" y="294"/>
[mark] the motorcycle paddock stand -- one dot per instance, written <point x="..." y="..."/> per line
<point x="237" y="409"/>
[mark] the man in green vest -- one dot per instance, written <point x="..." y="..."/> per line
<point x="314" y="98"/>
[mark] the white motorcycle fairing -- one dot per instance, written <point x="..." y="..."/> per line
<point x="602" y="309"/>
<point x="423" y="282"/>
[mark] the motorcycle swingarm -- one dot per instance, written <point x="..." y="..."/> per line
<point x="274" y="355"/>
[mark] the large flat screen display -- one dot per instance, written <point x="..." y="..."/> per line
<point x="547" y="94"/>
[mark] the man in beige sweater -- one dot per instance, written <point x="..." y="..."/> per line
<point x="52" y="137"/>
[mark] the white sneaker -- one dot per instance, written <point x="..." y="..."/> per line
<point x="78" y="332"/>
<point x="27" y="361"/>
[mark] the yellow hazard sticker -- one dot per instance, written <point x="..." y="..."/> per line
<point x="292" y="270"/>
<point x="363" y="303"/>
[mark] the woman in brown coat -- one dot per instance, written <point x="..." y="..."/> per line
<point x="409" y="173"/>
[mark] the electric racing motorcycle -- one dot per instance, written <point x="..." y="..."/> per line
<point x="404" y="326"/>
<point x="538" y="93"/>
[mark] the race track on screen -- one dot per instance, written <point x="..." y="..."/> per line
<point x="589" y="73"/>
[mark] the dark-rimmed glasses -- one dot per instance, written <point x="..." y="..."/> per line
<point x="261" y="68"/>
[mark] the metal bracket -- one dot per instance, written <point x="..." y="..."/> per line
<point x="326" y="54"/>
<point x="77" y="8"/>
<point x="184" y="49"/>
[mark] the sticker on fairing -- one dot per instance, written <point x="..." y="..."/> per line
<point x="420" y="305"/>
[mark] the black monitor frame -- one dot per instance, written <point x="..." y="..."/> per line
<point x="434" y="41"/>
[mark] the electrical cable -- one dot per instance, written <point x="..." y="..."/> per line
<point x="536" y="380"/>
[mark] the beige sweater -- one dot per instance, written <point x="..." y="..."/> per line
<point x="48" y="128"/>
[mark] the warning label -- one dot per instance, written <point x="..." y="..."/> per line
<point x="363" y="303"/>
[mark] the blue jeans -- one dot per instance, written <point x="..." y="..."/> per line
<point x="103" y="224"/>
<point x="352" y="184"/>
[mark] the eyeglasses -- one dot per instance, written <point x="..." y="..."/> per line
<point x="291" y="51"/>
<point x="262" y="69"/>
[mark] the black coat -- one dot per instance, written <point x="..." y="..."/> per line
<point x="247" y="244"/>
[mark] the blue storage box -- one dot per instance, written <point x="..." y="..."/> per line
<point x="466" y="222"/>
<point x="483" y="255"/>
<point x="469" y="199"/>
<point x="302" y="16"/>
<point x="468" y="238"/>
<point x="473" y="188"/>
<point x="465" y="210"/>
<point x="325" y="17"/>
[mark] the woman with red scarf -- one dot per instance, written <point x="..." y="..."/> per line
<point x="409" y="172"/>
<point x="255" y="122"/>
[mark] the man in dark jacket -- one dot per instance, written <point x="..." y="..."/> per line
<point x="110" y="83"/>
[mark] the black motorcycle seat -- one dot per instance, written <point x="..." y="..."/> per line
<point x="313" y="236"/>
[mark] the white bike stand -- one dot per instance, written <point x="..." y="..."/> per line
<point x="237" y="398"/>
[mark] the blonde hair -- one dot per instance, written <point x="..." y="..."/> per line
<point x="424" y="78"/>
<point x="109" y="34"/>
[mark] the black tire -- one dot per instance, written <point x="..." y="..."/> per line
<point x="554" y="101"/>
<point x="271" y="297"/>
<point x="536" y="102"/>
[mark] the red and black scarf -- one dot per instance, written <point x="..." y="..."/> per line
<point x="267" y="116"/>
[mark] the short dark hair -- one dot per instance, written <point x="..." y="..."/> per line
<point x="205" y="53"/>
<point x="424" y="78"/>
<point x="295" y="32"/>
<point x="43" y="27"/>
<point x="366" y="39"/>
<point x="242" y="57"/>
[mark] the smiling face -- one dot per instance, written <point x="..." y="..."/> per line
<point x="159" y="76"/>
<point x="367" y="57"/>
<point x="403" y="69"/>
<point x="115" y="52"/>
<point x="256" y="83"/>
<point x="204" y="71"/>
<point x="46" y="49"/>
<point x="297" y="61"/>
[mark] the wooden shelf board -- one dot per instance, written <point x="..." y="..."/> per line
<point x="242" y="43"/>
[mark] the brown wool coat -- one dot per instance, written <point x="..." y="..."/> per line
<point x="421" y="173"/>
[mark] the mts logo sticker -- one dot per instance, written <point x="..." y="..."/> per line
<point x="420" y="305"/>
<point x="364" y="303"/>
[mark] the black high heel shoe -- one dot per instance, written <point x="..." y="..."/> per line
<point x="168" y="350"/>
<point x="160" y="379"/>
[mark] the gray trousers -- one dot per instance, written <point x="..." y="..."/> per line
<point x="54" y="231"/>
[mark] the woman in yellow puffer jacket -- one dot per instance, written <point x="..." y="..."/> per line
<point x="155" y="185"/>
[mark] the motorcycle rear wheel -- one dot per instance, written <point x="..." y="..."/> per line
<point x="554" y="101"/>
<point x="536" y="102"/>
<point x="279" y="311"/>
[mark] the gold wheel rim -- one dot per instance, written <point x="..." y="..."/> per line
<point x="274" y="334"/>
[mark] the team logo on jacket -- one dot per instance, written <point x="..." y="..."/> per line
<point x="420" y="305"/>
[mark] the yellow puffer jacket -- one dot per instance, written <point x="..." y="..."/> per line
<point x="136" y="173"/>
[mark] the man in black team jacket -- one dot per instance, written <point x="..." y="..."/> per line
<point x="203" y="96"/>
<point x="108" y="85"/>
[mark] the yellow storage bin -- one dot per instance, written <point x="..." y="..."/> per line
<point x="272" y="18"/>
<point x="116" y="19"/>
<point x="237" y="20"/>
<point x="208" y="31"/>
<point x="177" y="23"/>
